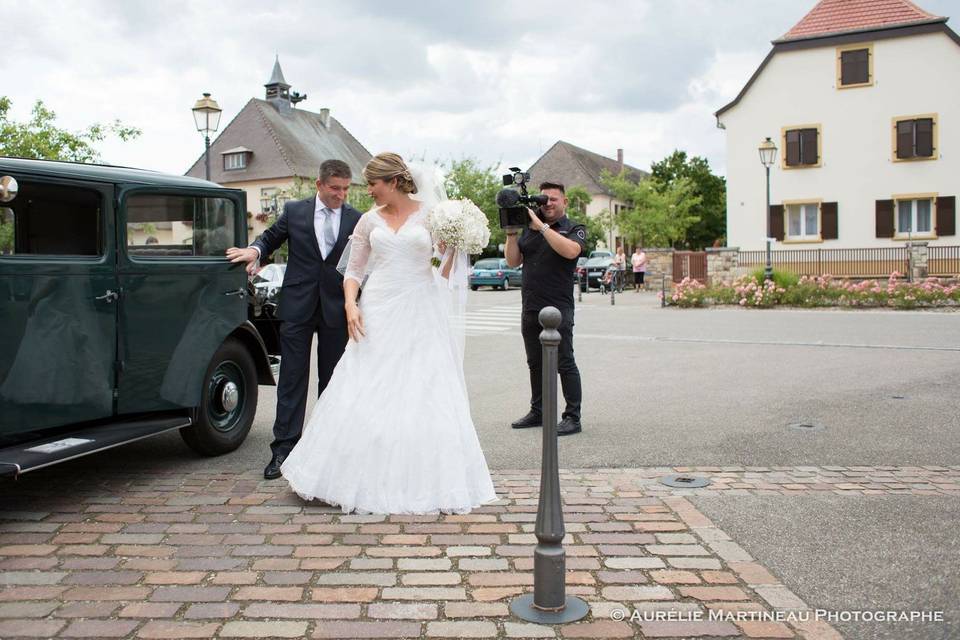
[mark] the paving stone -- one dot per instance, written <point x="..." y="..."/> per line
<point x="208" y="610"/>
<point x="715" y="593"/>
<point x="424" y="564"/>
<point x="346" y="629"/>
<point x="170" y="629"/>
<point x="403" y="611"/>
<point x="424" y="593"/>
<point x="364" y="578"/>
<point x="632" y="594"/>
<point x="31" y="577"/>
<point x="287" y="594"/>
<point x="99" y="628"/>
<point x="475" y="609"/>
<point x="367" y="564"/>
<point x="150" y="610"/>
<point x="430" y="578"/>
<point x="688" y="629"/>
<point x="175" y="577"/>
<point x="462" y="629"/>
<point x="486" y="564"/>
<point x="273" y="629"/>
<point x="302" y="611"/>
<point x="344" y="594"/>
<point x="598" y="629"/>
<point x="30" y="628"/>
<point x="634" y="563"/>
<point x="107" y="593"/>
<point x="527" y="630"/>
<point x="87" y="610"/>
<point x="694" y="563"/>
<point x="190" y="594"/>
<point x="236" y="577"/>
<point x="26" y="609"/>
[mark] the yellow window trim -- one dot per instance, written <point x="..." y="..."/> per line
<point x="783" y="145"/>
<point x="936" y="137"/>
<point x="854" y="47"/>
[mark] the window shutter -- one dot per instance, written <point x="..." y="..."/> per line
<point x="905" y="139"/>
<point x="884" y="218"/>
<point x="776" y="221"/>
<point x="855" y="67"/>
<point x="828" y="220"/>
<point x="793" y="147"/>
<point x="946" y="215"/>
<point x="924" y="137"/>
<point x="808" y="139"/>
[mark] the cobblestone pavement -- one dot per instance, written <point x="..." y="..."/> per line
<point x="221" y="554"/>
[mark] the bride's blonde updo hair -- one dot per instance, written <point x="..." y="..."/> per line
<point x="387" y="166"/>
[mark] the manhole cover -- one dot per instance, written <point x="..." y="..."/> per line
<point x="806" y="426"/>
<point x="684" y="481"/>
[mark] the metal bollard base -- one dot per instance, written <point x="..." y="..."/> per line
<point x="574" y="609"/>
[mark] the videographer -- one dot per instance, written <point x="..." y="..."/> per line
<point x="548" y="250"/>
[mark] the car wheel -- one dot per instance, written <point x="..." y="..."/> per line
<point x="506" y="284"/>
<point x="474" y="287"/>
<point x="228" y="402"/>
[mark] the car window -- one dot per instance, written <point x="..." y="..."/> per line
<point x="487" y="264"/>
<point x="52" y="220"/>
<point x="162" y="226"/>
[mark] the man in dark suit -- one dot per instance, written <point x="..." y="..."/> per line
<point x="311" y="301"/>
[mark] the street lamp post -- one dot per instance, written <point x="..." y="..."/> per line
<point x="768" y="155"/>
<point x="206" y="114"/>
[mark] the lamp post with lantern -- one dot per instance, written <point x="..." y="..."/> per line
<point x="768" y="155"/>
<point x="206" y="114"/>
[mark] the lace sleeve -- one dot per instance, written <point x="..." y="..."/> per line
<point x="357" y="253"/>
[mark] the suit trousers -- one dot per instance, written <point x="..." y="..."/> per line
<point x="566" y="365"/>
<point x="295" y="341"/>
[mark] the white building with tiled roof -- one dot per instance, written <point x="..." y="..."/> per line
<point x="862" y="101"/>
<point x="270" y="143"/>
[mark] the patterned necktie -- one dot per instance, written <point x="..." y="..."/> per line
<point x="329" y="239"/>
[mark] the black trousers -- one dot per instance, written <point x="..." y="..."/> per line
<point x="295" y="341"/>
<point x="566" y="365"/>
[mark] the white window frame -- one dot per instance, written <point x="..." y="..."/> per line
<point x="913" y="234"/>
<point x="235" y="161"/>
<point x="804" y="235"/>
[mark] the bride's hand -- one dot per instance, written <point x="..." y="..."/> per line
<point x="354" y="321"/>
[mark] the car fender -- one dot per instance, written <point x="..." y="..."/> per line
<point x="251" y="338"/>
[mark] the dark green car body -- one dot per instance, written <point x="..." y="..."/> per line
<point x="117" y="303"/>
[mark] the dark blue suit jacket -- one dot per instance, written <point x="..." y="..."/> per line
<point x="309" y="279"/>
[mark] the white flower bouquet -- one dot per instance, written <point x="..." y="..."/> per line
<point x="459" y="224"/>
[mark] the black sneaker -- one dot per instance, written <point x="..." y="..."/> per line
<point x="568" y="426"/>
<point x="529" y="420"/>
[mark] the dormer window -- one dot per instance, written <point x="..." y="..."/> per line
<point x="235" y="159"/>
<point x="855" y="66"/>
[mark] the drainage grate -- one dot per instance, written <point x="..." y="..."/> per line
<point x="683" y="481"/>
<point x="806" y="426"/>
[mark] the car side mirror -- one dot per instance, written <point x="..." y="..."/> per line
<point x="8" y="188"/>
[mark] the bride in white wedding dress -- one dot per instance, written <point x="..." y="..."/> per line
<point x="392" y="432"/>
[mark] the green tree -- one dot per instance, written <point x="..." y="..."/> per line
<point x="577" y="201"/>
<point x="467" y="178"/>
<point x="41" y="139"/>
<point x="657" y="214"/>
<point x="712" y="190"/>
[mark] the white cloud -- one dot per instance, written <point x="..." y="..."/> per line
<point x="499" y="81"/>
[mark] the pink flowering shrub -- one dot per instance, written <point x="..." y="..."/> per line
<point x="752" y="291"/>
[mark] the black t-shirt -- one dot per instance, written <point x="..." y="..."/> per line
<point x="548" y="276"/>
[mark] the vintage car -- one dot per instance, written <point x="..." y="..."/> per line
<point x="122" y="318"/>
<point x="494" y="272"/>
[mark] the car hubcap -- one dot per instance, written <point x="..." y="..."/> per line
<point x="225" y="399"/>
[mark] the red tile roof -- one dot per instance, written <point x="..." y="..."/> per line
<point x="839" y="16"/>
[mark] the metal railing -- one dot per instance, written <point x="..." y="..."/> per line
<point x="943" y="261"/>
<point x="845" y="263"/>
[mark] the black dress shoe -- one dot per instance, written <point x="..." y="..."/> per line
<point x="272" y="470"/>
<point x="529" y="420"/>
<point x="568" y="426"/>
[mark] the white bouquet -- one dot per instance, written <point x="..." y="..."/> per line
<point x="459" y="224"/>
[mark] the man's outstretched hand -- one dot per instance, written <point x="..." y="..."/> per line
<point x="249" y="255"/>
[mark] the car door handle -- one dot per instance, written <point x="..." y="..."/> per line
<point x="237" y="292"/>
<point x="109" y="296"/>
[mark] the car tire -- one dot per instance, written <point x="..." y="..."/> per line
<point x="506" y="284"/>
<point x="474" y="287"/>
<point x="228" y="402"/>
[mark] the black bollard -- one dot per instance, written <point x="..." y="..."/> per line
<point x="549" y="604"/>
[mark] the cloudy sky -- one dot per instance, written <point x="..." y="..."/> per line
<point x="494" y="80"/>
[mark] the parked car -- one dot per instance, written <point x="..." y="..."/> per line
<point x="269" y="281"/>
<point x="601" y="253"/>
<point x="494" y="272"/>
<point x="595" y="269"/>
<point x="123" y="318"/>
<point x="580" y="275"/>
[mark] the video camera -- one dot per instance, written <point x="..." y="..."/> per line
<point x="513" y="203"/>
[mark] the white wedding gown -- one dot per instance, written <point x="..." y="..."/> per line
<point x="392" y="432"/>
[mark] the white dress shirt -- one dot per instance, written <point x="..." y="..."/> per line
<point x="318" y="220"/>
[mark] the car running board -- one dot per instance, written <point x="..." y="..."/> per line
<point x="38" y="454"/>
